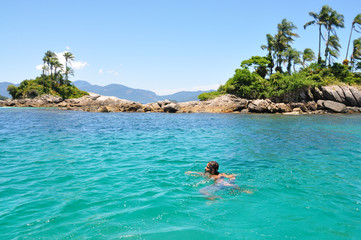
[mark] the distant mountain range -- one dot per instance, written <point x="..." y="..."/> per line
<point x="123" y="92"/>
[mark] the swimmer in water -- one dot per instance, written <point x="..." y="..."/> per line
<point x="221" y="180"/>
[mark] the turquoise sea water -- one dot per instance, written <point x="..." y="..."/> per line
<point x="78" y="175"/>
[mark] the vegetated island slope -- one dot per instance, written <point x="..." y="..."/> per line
<point x="284" y="69"/>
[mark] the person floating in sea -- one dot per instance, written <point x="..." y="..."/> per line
<point x="221" y="180"/>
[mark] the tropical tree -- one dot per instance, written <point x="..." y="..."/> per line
<point x="258" y="63"/>
<point x="70" y="72"/>
<point x="49" y="55"/>
<point x="283" y="39"/>
<point x="270" y="49"/>
<point x="356" y="53"/>
<point x="334" y="48"/>
<point x="58" y="65"/>
<point x="320" y="20"/>
<point x="333" y="20"/>
<point x="307" y="56"/>
<point x="355" y="24"/>
<point x="292" y="56"/>
<point x="68" y="58"/>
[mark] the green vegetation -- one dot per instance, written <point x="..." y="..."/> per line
<point x="54" y="80"/>
<point x="256" y="77"/>
<point x="209" y="95"/>
<point x="2" y="97"/>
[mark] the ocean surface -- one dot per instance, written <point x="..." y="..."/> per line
<point x="79" y="175"/>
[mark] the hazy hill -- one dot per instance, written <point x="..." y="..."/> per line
<point x="123" y="92"/>
<point x="137" y="95"/>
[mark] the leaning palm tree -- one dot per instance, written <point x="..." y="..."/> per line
<point x="270" y="49"/>
<point x="319" y="19"/>
<point x="356" y="52"/>
<point x="355" y="24"/>
<point x="307" y="56"/>
<point x="334" y="20"/>
<point x="334" y="48"/>
<point x="68" y="58"/>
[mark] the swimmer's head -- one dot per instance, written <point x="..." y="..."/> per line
<point x="212" y="168"/>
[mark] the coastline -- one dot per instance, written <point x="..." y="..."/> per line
<point x="330" y="99"/>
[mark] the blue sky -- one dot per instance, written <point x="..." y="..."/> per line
<point x="163" y="46"/>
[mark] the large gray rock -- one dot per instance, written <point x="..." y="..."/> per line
<point x="350" y="99"/>
<point x="357" y="95"/>
<point x="332" y="93"/>
<point x="259" y="105"/>
<point x="335" y="106"/>
<point x="341" y="93"/>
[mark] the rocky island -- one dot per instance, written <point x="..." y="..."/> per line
<point x="327" y="99"/>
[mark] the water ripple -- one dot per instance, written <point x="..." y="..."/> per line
<point x="66" y="175"/>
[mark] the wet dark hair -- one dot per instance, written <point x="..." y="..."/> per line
<point x="213" y="168"/>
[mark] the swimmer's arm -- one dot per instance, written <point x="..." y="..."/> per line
<point x="194" y="173"/>
<point x="230" y="176"/>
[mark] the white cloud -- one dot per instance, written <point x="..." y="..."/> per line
<point x="39" y="67"/>
<point x="67" y="48"/>
<point x="78" y="65"/>
<point x="196" y="88"/>
<point x="100" y="71"/>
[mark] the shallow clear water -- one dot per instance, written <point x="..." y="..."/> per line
<point x="77" y="175"/>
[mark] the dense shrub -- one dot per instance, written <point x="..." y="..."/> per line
<point x="44" y="85"/>
<point x="209" y="95"/>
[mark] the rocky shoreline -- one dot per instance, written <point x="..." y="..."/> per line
<point x="329" y="99"/>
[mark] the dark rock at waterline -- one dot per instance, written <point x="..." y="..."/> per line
<point x="171" y="108"/>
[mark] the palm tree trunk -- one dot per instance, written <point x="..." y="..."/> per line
<point x="349" y="40"/>
<point x="319" y="46"/>
<point x="327" y="43"/>
<point x="66" y="70"/>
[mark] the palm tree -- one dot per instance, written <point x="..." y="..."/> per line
<point x="319" y="19"/>
<point x="57" y="65"/>
<point x="307" y="56"/>
<point x="68" y="58"/>
<point x="334" y="47"/>
<point x="52" y="62"/>
<point x="270" y="49"/>
<point x="69" y="71"/>
<point x="46" y="60"/>
<point x="356" y="23"/>
<point x="356" y="52"/>
<point x="283" y="38"/>
<point x="291" y="56"/>
<point x="333" y="20"/>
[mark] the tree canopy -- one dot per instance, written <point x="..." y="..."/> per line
<point x="256" y="77"/>
<point x="54" y="80"/>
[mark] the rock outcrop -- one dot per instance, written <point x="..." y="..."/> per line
<point x="329" y="99"/>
